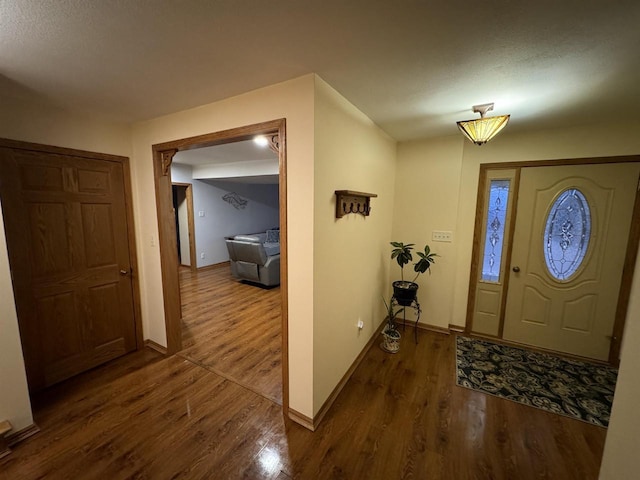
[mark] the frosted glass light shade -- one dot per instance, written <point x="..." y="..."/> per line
<point x="482" y="130"/>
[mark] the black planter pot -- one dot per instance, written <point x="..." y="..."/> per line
<point x="405" y="292"/>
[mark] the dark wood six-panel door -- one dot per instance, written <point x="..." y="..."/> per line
<point x="67" y="235"/>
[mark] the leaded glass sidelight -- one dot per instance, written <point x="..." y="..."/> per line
<point x="494" y="228"/>
<point x="567" y="233"/>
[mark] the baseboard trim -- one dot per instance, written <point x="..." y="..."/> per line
<point x="457" y="328"/>
<point x="214" y="266"/>
<point x="22" y="435"/>
<point x="155" y="346"/>
<point x="301" y="419"/>
<point x="345" y="378"/>
<point x="313" y="423"/>
<point x="433" y="328"/>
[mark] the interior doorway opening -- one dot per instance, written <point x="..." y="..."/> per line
<point x="163" y="159"/>
<point x="185" y="225"/>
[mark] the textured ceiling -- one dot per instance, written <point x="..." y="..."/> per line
<point x="414" y="67"/>
<point x="252" y="156"/>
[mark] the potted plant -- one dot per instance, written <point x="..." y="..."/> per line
<point x="390" y="333"/>
<point x="405" y="291"/>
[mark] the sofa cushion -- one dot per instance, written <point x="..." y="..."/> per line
<point x="272" y="249"/>
<point x="273" y="236"/>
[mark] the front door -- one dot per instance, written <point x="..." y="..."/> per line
<point x="569" y="246"/>
<point x="67" y="236"/>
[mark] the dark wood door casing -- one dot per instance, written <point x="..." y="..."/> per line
<point x="69" y="232"/>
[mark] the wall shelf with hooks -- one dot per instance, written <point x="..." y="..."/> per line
<point x="348" y="201"/>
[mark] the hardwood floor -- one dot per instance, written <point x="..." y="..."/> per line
<point x="400" y="416"/>
<point x="233" y="329"/>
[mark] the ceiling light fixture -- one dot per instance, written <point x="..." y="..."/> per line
<point x="482" y="130"/>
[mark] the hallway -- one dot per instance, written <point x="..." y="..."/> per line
<point x="400" y="416"/>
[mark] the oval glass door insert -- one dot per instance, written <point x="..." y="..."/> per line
<point x="567" y="233"/>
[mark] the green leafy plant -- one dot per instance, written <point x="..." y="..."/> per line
<point x="391" y="315"/>
<point x="403" y="256"/>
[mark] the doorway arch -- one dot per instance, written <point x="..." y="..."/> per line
<point x="163" y="154"/>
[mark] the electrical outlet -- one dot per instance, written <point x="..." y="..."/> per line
<point x="202" y="255"/>
<point x="442" y="236"/>
<point x="201" y="213"/>
<point x="360" y="324"/>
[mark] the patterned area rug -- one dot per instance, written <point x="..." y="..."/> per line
<point x="568" y="387"/>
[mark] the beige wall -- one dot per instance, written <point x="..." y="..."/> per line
<point x="350" y="254"/>
<point x="15" y="405"/>
<point x="620" y="459"/>
<point x="426" y="199"/>
<point x="292" y="100"/>
<point x="29" y="121"/>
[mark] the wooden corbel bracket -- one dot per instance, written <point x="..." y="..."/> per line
<point x="166" y="160"/>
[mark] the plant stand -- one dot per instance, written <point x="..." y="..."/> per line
<point x="416" y="306"/>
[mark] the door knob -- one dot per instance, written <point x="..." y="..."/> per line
<point x="124" y="272"/>
<point x="516" y="269"/>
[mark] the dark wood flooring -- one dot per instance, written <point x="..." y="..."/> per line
<point x="233" y="329"/>
<point x="399" y="417"/>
